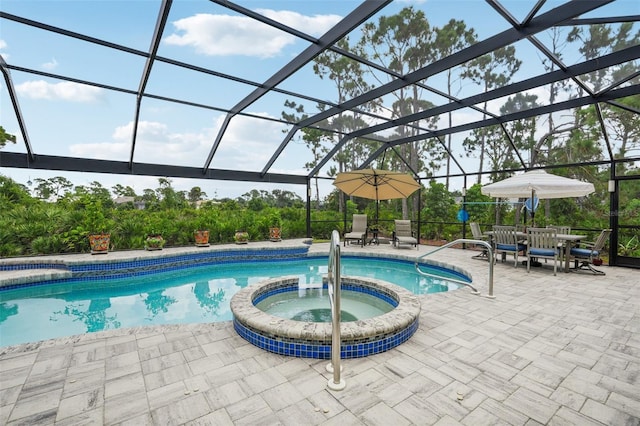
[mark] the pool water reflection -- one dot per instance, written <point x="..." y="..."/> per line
<point x="194" y="295"/>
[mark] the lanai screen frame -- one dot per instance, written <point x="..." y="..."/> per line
<point x="566" y="14"/>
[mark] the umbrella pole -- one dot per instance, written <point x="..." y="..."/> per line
<point x="377" y="202"/>
<point x="533" y="208"/>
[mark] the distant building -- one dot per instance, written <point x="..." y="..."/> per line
<point x="139" y="205"/>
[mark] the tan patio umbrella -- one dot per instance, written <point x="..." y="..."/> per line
<point x="376" y="184"/>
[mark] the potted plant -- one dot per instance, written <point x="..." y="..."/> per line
<point x="275" y="226"/>
<point x="241" y="237"/>
<point x="201" y="233"/>
<point x="154" y="241"/>
<point x="98" y="226"/>
<point x="202" y="237"/>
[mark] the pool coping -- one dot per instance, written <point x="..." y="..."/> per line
<point x="24" y="271"/>
<point x="33" y="270"/>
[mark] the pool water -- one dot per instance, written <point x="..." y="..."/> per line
<point x="194" y="295"/>
<point x="312" y="305"/>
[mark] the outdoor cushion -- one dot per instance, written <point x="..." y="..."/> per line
<point x="511" y="247"/>
<point x="576" y="251"/>
<point x="411" y="240"/>
<point x="542" y="252"/>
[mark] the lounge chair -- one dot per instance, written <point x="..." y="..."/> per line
<point x="358" y="230"/>
<point x="478" y="235"/>
<point x="542" y="243"/>
<point x="506" y="241"/>
<point x="403" y="234"/>
<point x="585" y="255"/>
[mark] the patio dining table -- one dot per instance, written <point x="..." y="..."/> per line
<point x="567" y="240"/>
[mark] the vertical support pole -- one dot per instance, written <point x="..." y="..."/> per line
<point x="335" y="288"/>
<point x="309" y="208"/>
<point x="614" y="206"/>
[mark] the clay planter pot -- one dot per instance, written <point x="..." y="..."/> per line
<point x="202" y="238"/>
<point x="99" y="243"/>
<point x="274" y="234"/>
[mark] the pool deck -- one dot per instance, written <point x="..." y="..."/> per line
<point x="548" y="349"/>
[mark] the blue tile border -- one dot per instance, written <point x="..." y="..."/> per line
<point x="313" y="339"/>
<point x="163" y="263"/>
<point x="291" y="287"/>
<point x="26" y="266"/>
<point x="317" y="350"/>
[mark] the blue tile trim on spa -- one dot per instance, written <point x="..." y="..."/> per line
<point x="320" y="351"/>
<point x="294" y="287"/>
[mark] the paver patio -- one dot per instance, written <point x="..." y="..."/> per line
<point x="546" y="350"/>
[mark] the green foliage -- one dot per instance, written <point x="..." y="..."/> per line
<point x="439" y="207"/>
<point x="97" y="219"/>
<point x="31" y="226"/>
<point x="6" y="137"/>
<point x="629" y="247"/>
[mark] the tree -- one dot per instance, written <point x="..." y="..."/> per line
<point x="404" y="43"/>
<point x="315" y="139"/>
<point x="348" y="77"/>
<point x="53" y="188"/>
<point x="492" y="70"/>
<point x="438" y="205"/>
<point x="452" y="37"/>
<point x="624" y="124"/>
<point x="6" y="137"/>
<point x="123" y="191"/>
<point x="600" y="38"/>
<point x="522" y="132"/>
<point x="169" y="198"/>
<point x="196" y="194"/>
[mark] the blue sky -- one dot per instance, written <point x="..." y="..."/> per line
<point x="70" y="119"/>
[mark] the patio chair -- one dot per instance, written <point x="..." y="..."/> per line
<point x="561" y="230"/>
<point x="506" y="241"/>
<point x="588" y="253"/>
<point x="358" y="230"/>
<point x="403" y="234"/>
<point x="542" y="243"/>
<point x="478" y="235"/>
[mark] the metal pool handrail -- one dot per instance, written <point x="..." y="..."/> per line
<point x="335" y="289"/>
<point x="458" y="241"/>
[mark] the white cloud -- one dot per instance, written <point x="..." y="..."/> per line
<point x="315" y="25"/>
<point x="103" y="150"/>
<point x="248" y="143"/>
<point x="66" y="91"/>
<point x="223" y="35"/>
<point x="3" y="45"/>
<point x="51" y="65"/>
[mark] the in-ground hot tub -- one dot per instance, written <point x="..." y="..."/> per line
<point x="359" y="338"/>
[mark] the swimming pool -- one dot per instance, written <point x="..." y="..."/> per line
<point x="192" y="295"/>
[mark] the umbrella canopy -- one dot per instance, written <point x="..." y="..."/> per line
<point x="537" y="184"/>
<point x="376" y="184"/>
<point x="540" y="184"/>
